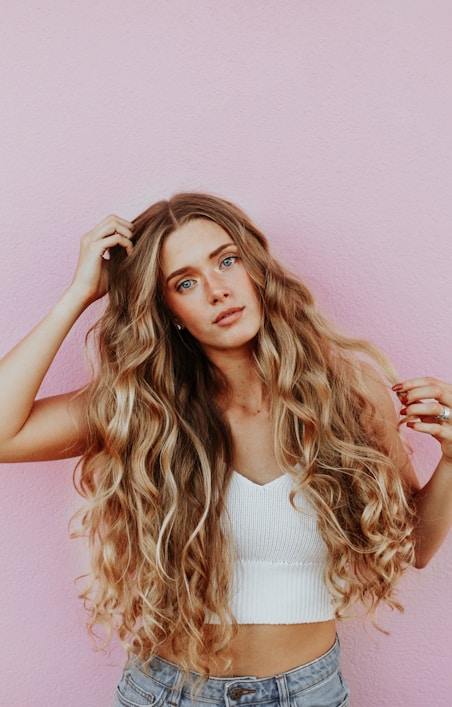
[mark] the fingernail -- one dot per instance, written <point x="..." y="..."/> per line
<point x="410" y="424"/>
<point x="397" y="388"/>
<point x="403" y="411"/>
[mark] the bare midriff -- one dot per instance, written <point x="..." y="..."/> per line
<point x="261" y="650"/>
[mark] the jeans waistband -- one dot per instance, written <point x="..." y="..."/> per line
<point x="214" y="689"/>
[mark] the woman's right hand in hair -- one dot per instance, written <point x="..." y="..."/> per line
<point x="91" y="276"/>
<point x="52" y="428"/>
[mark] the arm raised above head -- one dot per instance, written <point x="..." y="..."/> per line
<point x="54" y="428"/>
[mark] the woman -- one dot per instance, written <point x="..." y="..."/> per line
<point x="244" y="476"/>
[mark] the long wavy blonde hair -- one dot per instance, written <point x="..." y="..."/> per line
<point x="159" y="451"/>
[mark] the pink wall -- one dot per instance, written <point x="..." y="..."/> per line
<point x="330" y="122"/>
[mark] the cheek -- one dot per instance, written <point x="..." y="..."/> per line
<point x="182" y="310"/>
<point x="254" y="294"/>
<point x="174" y="303"/>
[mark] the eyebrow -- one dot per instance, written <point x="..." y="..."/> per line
<point x="212" y="255"/>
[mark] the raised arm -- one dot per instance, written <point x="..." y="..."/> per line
<point x="53" y="428"/>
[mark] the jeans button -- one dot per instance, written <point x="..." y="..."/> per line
<point x="236" y="693"/>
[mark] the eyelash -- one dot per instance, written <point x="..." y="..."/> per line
<point x="180" y="287"/>
<point x="230" y="257"/>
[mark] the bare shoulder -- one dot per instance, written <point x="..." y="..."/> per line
<point x="55" y="429"/>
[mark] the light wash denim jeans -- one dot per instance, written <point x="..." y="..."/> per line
<point x="316" y="684"/>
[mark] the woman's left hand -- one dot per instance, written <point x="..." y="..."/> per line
<point x="427" y="404"/>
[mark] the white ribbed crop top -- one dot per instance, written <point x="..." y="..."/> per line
<point x="281" y="556"/>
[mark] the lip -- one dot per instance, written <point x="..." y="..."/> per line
<point x="228" y="316"/>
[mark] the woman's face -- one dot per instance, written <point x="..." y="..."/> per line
<point x="208" y="290"/>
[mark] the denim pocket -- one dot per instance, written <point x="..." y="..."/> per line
<point x="328" y="692"/>
<point x="138" y="690"/>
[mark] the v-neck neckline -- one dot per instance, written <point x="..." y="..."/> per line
<point x="255" y="484"/>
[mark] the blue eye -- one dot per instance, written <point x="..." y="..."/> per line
<point x="229" y="261"/>
<point x="185" y="285"/>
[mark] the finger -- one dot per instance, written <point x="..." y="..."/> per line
<point x="435" y="429"/>
<point x="109" y="226"/>
<point x="432" y="384"/>
<point x="414" y="383"/>
<point x="123" y="222"/>
<point x="126" y="232"/>
<point x="429" y="419"/>
<point x="408" y="397"/>
<point x="125" y="228"/>
<point x="104" y="244"/>
<point x="117" y="221"/>
<point x="431" y="409"/>
<point x="434" y="391"/>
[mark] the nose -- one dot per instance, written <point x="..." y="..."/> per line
<point x="218" y="291"/>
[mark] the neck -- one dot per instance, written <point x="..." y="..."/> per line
<point x="247" y="393"/>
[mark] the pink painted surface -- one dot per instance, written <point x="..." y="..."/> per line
<point x="330" y="122"/>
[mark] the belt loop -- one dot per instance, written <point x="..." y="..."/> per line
<point x="175" y="692"/>
<point x="283" y="690"/>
